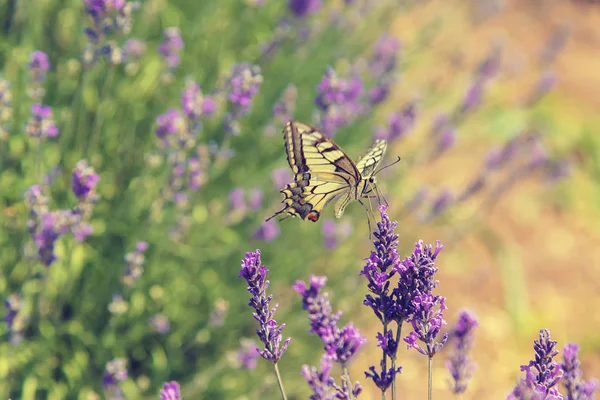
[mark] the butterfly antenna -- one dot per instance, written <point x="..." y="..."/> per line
<point x="276" y="214"/>
<point x="387" y="166"/>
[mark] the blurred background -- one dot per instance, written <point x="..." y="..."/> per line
<point x="178" y="107"/>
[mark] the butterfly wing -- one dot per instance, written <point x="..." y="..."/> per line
<point x="323" y="172"/>
<point x="371" y="159"/>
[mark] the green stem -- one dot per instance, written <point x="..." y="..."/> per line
<point x="384" y="359"/>
<point x="76" y="108"/>
<point x="279" y="382"/>
<point x="348" y="381"/>
<point x="94" y="136"/>
<point x="429" y="377"/>
<point x="398" y="333"/>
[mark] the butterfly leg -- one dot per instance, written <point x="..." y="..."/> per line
<point x="368" y="218"/>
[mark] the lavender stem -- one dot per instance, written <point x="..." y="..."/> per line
<point x="279" y="382"/>
<point x="398" y="333"/>
<point x="429" y="376"/>
<point x="348" y="381"/>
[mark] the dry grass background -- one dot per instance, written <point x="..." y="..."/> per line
<point x="534" y="264"/>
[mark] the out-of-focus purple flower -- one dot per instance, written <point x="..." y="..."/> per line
<point x="170" y="391"/>
<point x="109" y="19"/>
<point x="281" y="177"/>
<point x="576" y="388"/>
<point x="14" y="318"/>
<point x="38" y="67"/>
<point x="385" y="52"/>
<point x="195" y="104"/>
<point x="84" y="180"/>
<point x="400" y="123"/>
<point x="321" y="384"/>
<point x="546" y="82"/>
<point x="134" y="49"/>
<point x="334" y="232"/>
<point x="303" y="8"/>
<point x="50" y="229"/>
<point x="255" y="199"/>
<point x="459" y="362"/>
<point x="378" y="93"/>
<point x="168" y="123"/>
<point x="248" y="353"/>
<point x="243" y="85"/>
<point x="558" y="170"/>
<point x="254" y="273"/>
<point x="160" y="324"/>
<point x="475" y="186"/>
<point x="40" y="124"/>
<point x="6" y="110"/>
<point x="237" y="199"/>
<point x="441" y="203"/>
<point x="283" y="110"/>
<point x="219" y="313"/>
<point x="555" y="44"/>
<point x="135" y="264"/>
<point x="473" y="96"/>
<point x="171" y="47"/>
<point x="339" y="100"/>
<point x="115" y="373"/>
<point x="489" y="67"/>
<point x="541" y="374"/>
<point x="267" y="232"/>
<point x="416" y="201"/>
<point x="445" y="140"/>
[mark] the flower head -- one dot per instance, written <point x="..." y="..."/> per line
<point x="248" y="353"/>
<point x="459" y="363"/>
<point x="195" y="104"/>
<point x="303" y="8"/>
<point x="171" y="46"/>
<point x="541" y="374"/>
<point x="254" y="273"/>
<point x="41" y="124"/>
<point x="267" y="231"/>
<point x="576" y="388"/>
<point x="84" y="180"/>
<point x="170" y="391"/>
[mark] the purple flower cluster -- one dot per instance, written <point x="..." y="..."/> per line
<point x="170" y="47"/>
<point x="5" y="108"/>
<point x="340" y="344"/>
<point x="247" y="353"/>
<point x="15" y="318"/>
<point x="109" y="19"/>
<point x="267" y="231"/>
<point x="195" y="104"/>
<point x="576" y="388"/>
<point x="443" y="135"/>
<point x="254" y="273"/>
<point x="304" y="8"/>
<point x="41" y="124"/>
<point x="170" y="391"/>
<point x="400" y="123"/>
<point x="135" y="264"/>
<point x="410" y="301"/>
<point x="237" y="199"/>
<point x="382" y="67"/>
<point x="545" y="83"/>
<point x="486" y="70"/>
<point x="242" y="85"/>
<point x="339" y="101"/>
<point x="38" y="67"/>
<point x="541" y="374"/>
<point x="115" y="373"/>
<point x="459" y="362"/>
<point x="46" y="226"/>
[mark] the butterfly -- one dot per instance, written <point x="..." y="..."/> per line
<point x="324" y="173"/>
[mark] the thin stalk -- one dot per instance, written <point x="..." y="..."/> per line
<point x="384" y="359"/>
<point x="429" y="376"/>
<point x="279" y="382"/>
<point x="348" y="381"/>
<point x="398" y="333"/>
<point x="94" y="136"/>
<point x="76" y="107"/>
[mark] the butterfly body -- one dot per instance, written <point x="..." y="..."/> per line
<point x="324" y="173"/>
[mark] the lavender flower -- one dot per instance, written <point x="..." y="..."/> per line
<point x="84" y="180"/>
<point x="321" y="384"/>
<point x="115" y="373"/>
<point x="427" y="323"/>
<point x="52" y="226"/>
<point x="546" y="82"/>
<point x="40" y="124"/>
<point x="194" y="104"/>
<point x="171" y="47"/>
<point x="269" y="332"/>
<point x="303" y="8"/>
<point x="441" y="203"/>
<point x="236" y="199"/>
<point x="160" y="324"/>
<point x="134" y="49"/>
<point x="281" y="177"/>
<point x="109" y="20"/>
<point x="400" y="123"/>
<point x="38" y="67"/>
<point x="255" y="199"/>
<point x="339" y="101"/>
<point x="334" y="233"/>
<point x="267" y="232"/>
<point x="15" y="318"/>
<point x="247" y="354"/>
<point x="459" y="363"/>
<point x="170" y="391"/>
<point x="542" y="374"/>
<point x="135" y="264"/>
<point x="243" y="84"/>
<point x="576" y="388"/>
<point x="5" y="108"/>
<point x="384" y="57"/>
